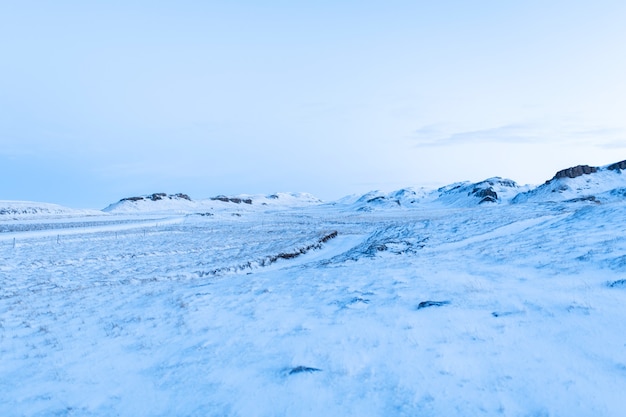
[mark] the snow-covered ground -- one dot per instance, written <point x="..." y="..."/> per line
<point x="318" y="309"/>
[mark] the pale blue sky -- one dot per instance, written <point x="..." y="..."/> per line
<point x="101" y="100"/>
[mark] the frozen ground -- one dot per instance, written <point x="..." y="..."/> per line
<point x="513" y="310"/>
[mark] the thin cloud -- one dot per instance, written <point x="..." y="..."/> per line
<point x="442" y="135"/>
<point x="521" y="133"/>
<point x="614" y="145"/>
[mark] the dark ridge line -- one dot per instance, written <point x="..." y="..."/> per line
<point x="426" y="304"/>
<point x="268" y="260"/>
<point x="303" y="369"/>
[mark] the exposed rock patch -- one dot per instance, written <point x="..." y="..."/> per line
<point x="158" y="197"/>
<point x="574" y="172"/>
<point x="235" y="200"/>
<point x="618" y="166"/>
<point x="303" y="370"/>
<point x="620" y="283"/>
<point x="488" y="195"/>
<point x="426" y="304"/>
<point x="589" y="198"/>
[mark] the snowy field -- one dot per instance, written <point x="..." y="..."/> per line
<point x="513" y="310"/>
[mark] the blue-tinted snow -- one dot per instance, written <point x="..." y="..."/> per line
<point x="120" y="318"/>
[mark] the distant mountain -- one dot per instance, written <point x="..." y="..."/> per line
<point x="29" y="209"/>
<point x="463" y="194"/>
<point x="580" y="183"/>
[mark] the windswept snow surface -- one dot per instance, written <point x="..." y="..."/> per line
<point x="513" y="310"/>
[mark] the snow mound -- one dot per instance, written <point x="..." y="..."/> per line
<point x="157" y="202"/>
<point x="14" y="210"/>
<point x="581" y="183"/>
<point x="405" y="197"/>
<point x="492" y="190"/>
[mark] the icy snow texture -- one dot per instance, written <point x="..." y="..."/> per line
<point x="522" y="313"/>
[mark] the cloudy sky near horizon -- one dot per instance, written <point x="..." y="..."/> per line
<point x="103" y="100"/>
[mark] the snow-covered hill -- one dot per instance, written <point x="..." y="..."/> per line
<point x="463" y="194"/>
<point x="489" y="191"/>
<point x="14" y="210"/>
<point x="157" y="202"/>
<point x="578" y="183"/>
<point x="406" y="197"/>
<point x="182" y="203"/>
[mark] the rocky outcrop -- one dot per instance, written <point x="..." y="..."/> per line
<point x="158" y="197"/>
<point x="581" y="170"/>
<point x="235" y="200"/>
<point x="618" y="166"/>
<point x="488" y="195"/>
<point x="574" y="172"/>
<point x="492" y="190"/>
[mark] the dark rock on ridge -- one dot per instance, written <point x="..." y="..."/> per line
<point x="303" y="369"/>
<point x="574" y="172"/>
<point x="426" y="304"/>
<point x="158" y="196"/>
<point x="488" y="195"/>
<point x="235" y="200"/>
<point x="581" y="170"/>
<point x="618" y="166"/>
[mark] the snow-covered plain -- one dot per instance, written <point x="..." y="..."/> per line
<point x="428" y="310"/>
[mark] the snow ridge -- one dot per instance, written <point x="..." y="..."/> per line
<point x="271" y="259"/>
